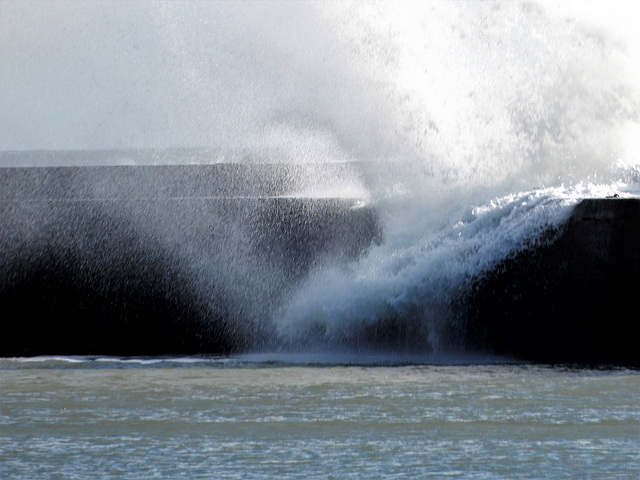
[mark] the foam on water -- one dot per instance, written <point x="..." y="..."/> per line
<point x="476" y="125"/>
<point x="253" y="360"/>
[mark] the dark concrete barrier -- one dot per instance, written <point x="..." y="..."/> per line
<point x="159" y="260"/>
<point x="573" y="300"/>
<point x="194" y="259"/>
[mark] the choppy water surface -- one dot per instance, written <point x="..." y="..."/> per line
<point x="251" y="418"/>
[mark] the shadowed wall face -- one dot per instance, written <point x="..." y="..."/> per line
<point x="573" y="300"/>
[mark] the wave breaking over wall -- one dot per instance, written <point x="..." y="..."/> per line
<point x="471" y="129"/>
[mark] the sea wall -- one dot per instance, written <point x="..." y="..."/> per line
<point x="194" y="259"/>
<point x="573" y="299"/>
<point x="159" y="260"/>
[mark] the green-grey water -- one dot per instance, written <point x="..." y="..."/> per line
<point x="233" y="418"/>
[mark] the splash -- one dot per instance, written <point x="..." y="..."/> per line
<point x="474" y="126"/>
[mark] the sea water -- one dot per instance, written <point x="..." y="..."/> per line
<point x="292" y="417"/>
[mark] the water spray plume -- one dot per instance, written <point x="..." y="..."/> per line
<point x="471" y="128"/>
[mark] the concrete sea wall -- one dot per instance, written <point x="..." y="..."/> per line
<point x="192" y="259"/>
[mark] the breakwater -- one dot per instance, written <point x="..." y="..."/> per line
<point x="156" y="260"/>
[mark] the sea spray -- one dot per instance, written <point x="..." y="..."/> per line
<point x="472" y="128"/>
<point x="478" y="100"/>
